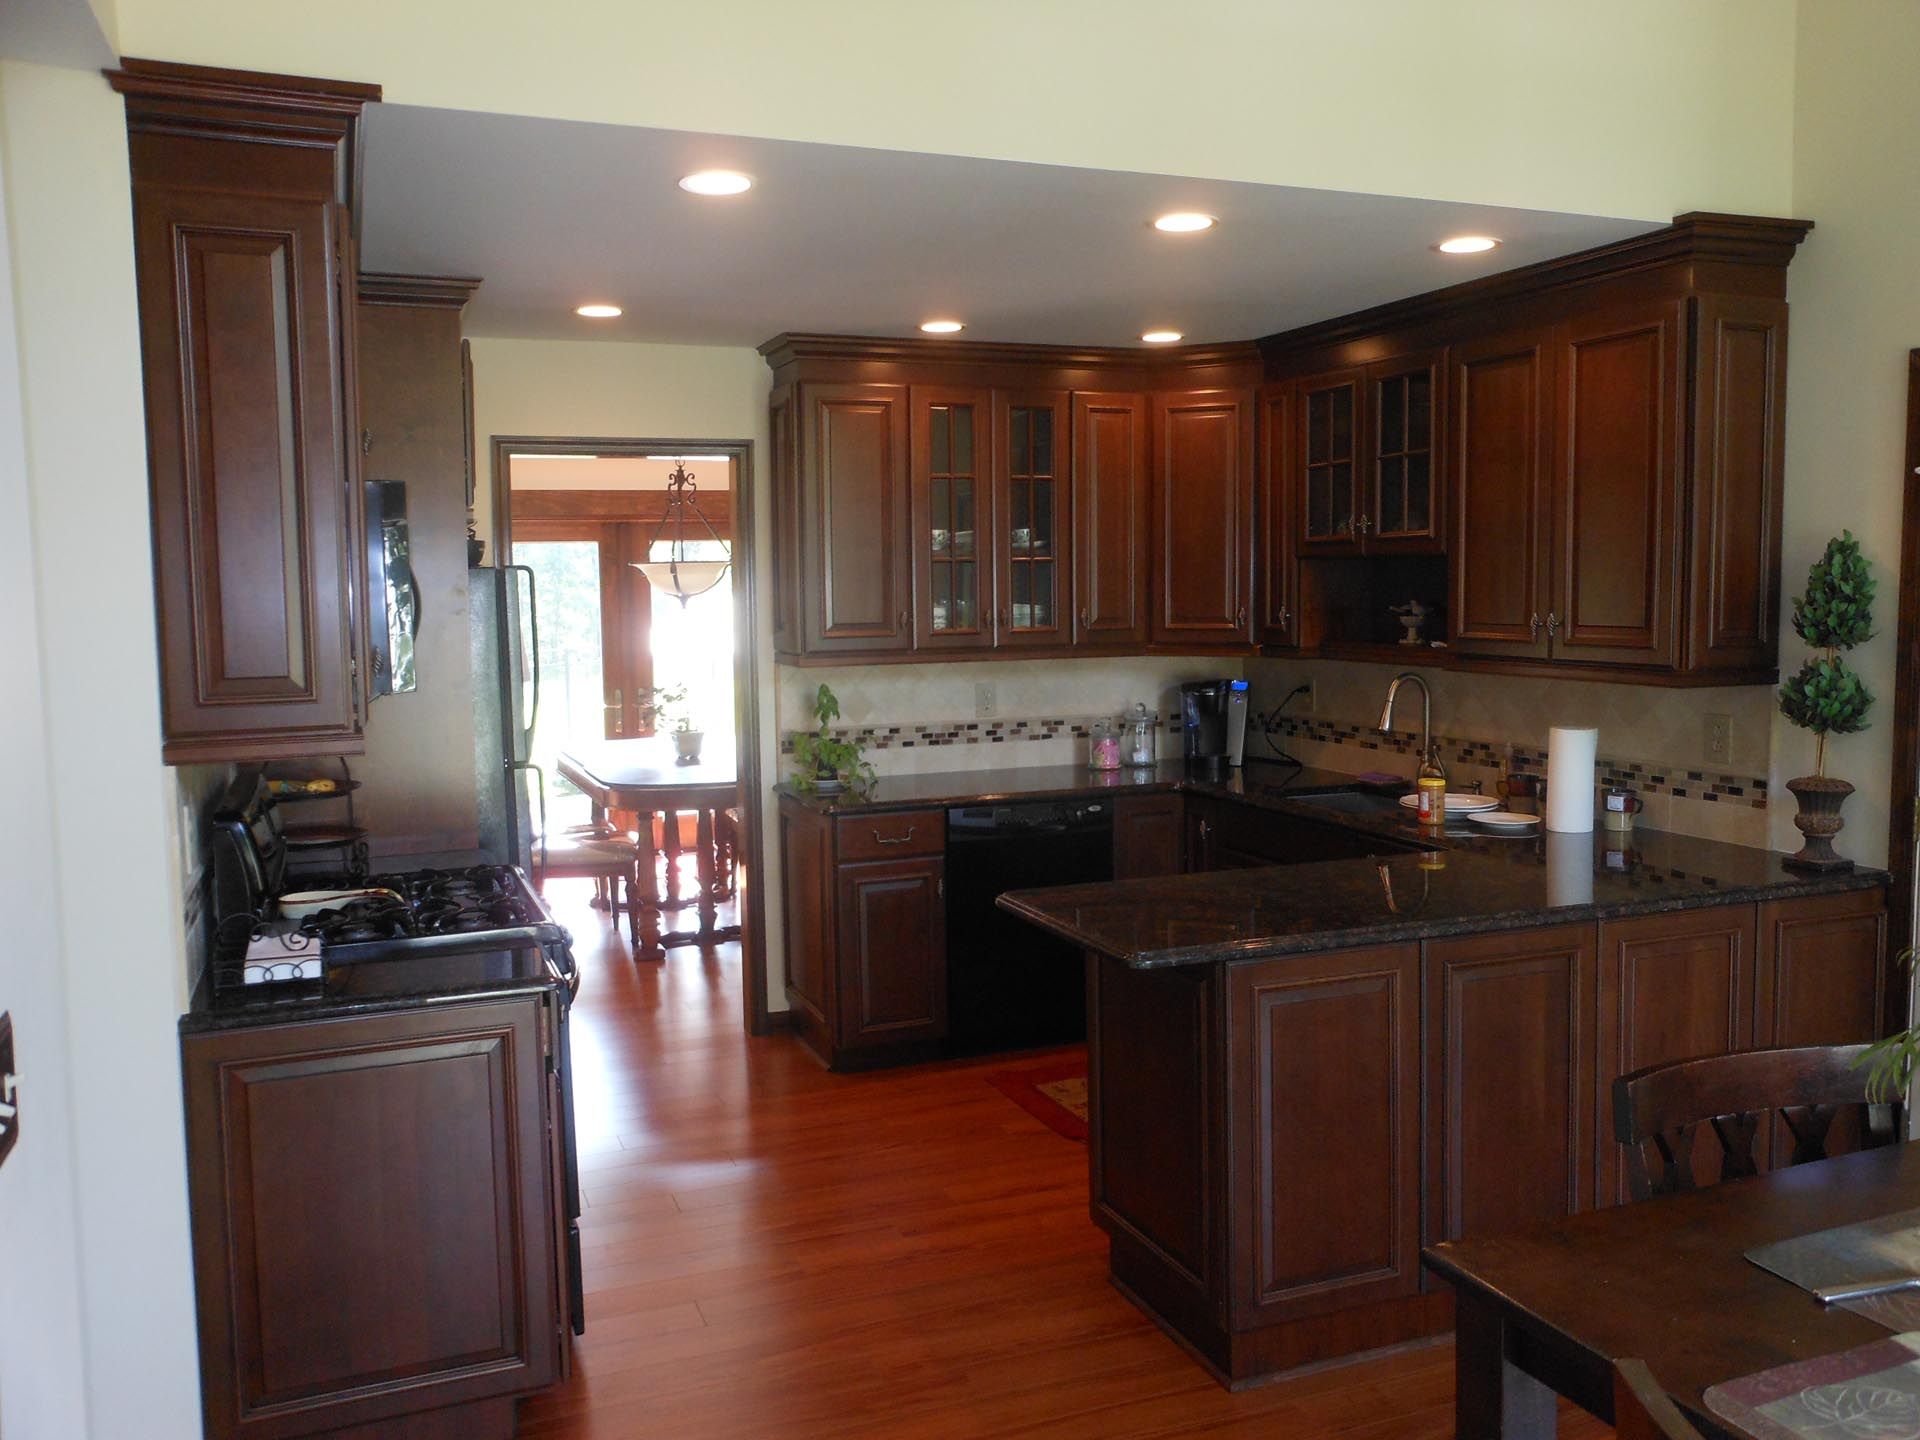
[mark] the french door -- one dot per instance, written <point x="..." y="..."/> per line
<point x="595" y="617"/>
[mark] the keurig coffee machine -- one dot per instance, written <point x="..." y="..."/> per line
<point x="1213" y="725"/>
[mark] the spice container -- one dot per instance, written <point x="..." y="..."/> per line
<point x="1103" y="745"/>
<point x="1141" y="747"/>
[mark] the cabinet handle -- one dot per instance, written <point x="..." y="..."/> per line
<point x="1286" y="617"/>
<point x="1363" y="524"/>
<point x="1533" y="626"/>
<point x="1553" y="624"/>
<point x="1240" y="618"/>
<point x="1006" y="617"/>
<point x="880" y="839"/>
<point x="905" y="619"/>
<point x="1085" y="624"/>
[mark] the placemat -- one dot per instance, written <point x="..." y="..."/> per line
<point x="1871" y="1392"/>
<point x="1867" y="1250"/>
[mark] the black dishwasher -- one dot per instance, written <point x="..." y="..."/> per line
<point x="1011" y="986"/>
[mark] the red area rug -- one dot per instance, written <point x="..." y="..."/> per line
<point x="1054" y="1093"/>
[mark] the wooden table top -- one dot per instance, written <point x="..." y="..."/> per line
<point x="637" y="774"/>
<point x="1666" y="1280"/>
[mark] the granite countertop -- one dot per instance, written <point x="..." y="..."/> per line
<point x="1472" y="885"/>
<point x="1257" y="781"/>
<point x="369" y="987"/>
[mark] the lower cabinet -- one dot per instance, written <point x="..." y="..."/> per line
<point x="1149" y="836"/>
<point x="377" y="1223"/>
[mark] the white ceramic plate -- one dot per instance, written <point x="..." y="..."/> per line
<point x="1504" y="819"/>
<point x="301" y="903"/>
<point x="1458" y="802"/>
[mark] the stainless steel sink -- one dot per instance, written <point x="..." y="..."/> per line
<point x="1353" y="802"/>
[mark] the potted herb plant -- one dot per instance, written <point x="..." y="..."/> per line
<point x="1826" y="697"/>
<point x="822" y="764"/>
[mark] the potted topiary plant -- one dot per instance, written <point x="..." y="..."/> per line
<point x="824" y="765"/>
<point x="1826" y="697"/>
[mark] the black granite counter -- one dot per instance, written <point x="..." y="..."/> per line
<point x="356" y="989"/>
<point x="1258" y="781"/>
<point x="1472" y="884"/>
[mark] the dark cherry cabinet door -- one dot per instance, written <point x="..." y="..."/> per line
<point x="784" y="463"/>
<point x="1324" y="1055"/>
<point x="1203" y="516"/>
<point x="1620" y="438"/>
<point x="1671" y="987"/>
<point x="892" y="952"/>
<point x="1822" y="970"/>
<point x="1111" y="496"/>
<point x="1404" y="493"/>
<point x="1739" y="465"/>
<point x="1033" y="511"/>
<point x="375" y="1227"/>
<point x="1327" y="466"/>
<point x="254" y="482"/>
<point x="806" y="860"/>
<point x="954" y="528"/>
<point x="1501" y="436"/>
<point x="1510" y="1079"/>
<point x="857" y="536"/>
<point x="1149" y="836"/>
<point x="1279" y="524"/>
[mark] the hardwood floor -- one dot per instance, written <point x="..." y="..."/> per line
<point x="776" y="1252"/>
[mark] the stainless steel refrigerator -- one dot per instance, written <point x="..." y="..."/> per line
<point x="505" y="615"/>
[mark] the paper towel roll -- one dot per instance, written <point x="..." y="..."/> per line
<point x="1570" y="778"/>
<point x="1569" y="869"/>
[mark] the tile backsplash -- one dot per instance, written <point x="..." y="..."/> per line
<point x="1652" y="739"/>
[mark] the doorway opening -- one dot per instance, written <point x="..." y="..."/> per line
<point x="624" y="659"/>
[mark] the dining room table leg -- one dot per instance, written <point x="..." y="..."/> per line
<point x="670" y="843"/>
<point x="1493" y="1398"/>
<point x="646" y="903"/>
<point x="704" y="859"/>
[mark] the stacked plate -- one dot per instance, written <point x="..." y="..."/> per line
<point x="1505" y="822"/>
<point x="1457" y="803"/>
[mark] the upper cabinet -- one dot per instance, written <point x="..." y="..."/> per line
<point x="1203" y="517"/>
<point x="857" y="535"/>
<point x="1110" y="519"/>
<point x="953" y="526"/>
<point x="1033" y="502"/>
<point x="1365" y="458"/>
<point x="243" y="256"/>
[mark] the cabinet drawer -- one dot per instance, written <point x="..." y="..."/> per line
<point x="892" y="835"/>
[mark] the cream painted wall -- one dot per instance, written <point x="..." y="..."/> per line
<point x="1636" y="108"/>
<point x="608" y="390"/>
<point x="1855" y="293"/>
<point x="122" y="956"/>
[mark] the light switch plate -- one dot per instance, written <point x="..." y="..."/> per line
<point x="9" y="1094"/>
<point x="985" y="703"/>
<point x="1719" y="739"/>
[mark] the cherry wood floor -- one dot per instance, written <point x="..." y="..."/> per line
<point x="775" y="1252"/>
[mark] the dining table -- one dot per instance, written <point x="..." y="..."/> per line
<point x="644" y="776"/>
<point x="1547" y="1311"/>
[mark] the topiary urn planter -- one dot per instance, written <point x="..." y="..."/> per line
<point x="1818" y="822"/>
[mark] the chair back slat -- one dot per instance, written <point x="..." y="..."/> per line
<point x="1642" y="1409"/>
<point x="1661" y="1109"/>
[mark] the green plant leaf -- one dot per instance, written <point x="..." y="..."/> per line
<point x="1835" y="613"/>
<point x="1826" y="697"/>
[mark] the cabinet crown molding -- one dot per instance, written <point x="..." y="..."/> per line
<point x="160" y="87"/>
<point x="788" y="348"/>
<point x="424" y="292"/>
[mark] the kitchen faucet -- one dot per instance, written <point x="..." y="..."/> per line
<point x="1428" y="752"/>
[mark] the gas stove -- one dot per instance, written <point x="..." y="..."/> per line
<point x="421" y="910"/>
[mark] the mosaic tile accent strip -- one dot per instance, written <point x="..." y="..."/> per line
<point x="1649" y="777"/>
<point x="928" y="734"/>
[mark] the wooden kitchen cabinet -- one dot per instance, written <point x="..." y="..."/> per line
<point x="1149" y="836"/>
<point x="1033" y="505"/>
<point x="1363" y="448"/>
<point x="243" y="257"/>
<point x="1325" y="460"/>
<point x="1277" y="548"/>
<point x="1111" y="519"/>
<point x="856" y="524"/>
<point x="866" y="913"/>
<point x="1203" y="517"/>
<point x="378" y="1231"/>
<point x="1510" y="1079"/>
<point x="954" y="529"/>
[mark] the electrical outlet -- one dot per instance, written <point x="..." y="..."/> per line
<point x="1307" y="698"/>
<point x="986" y="704"/>
<point x="1719" y="740"/>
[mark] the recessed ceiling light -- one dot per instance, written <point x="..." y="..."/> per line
<point x="597" y="312"/>
<point x="1467" y="245"/>
<point x="942" y="327"/>
<point x="716" y="182"/>
<point x="1184" y="222"/>
<point x="1162" y="337"/>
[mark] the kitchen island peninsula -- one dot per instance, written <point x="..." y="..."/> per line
<point x="1299" y="1075"/>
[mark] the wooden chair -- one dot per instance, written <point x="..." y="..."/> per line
<point x="1663" y="1106"/>
<point x="595" y="852"/>
<point x="726" y="853"/>
<point x="1642" y="1410"/>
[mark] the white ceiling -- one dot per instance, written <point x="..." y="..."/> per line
<point x="552" y="214"/>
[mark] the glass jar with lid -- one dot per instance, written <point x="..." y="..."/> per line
<point x="1103" y="745"/>
<point x="1140" y="744"/>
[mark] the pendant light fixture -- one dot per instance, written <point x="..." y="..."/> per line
<point x="681" y="574"/>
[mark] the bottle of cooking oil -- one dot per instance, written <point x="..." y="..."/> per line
<point x="1432" y="787"/>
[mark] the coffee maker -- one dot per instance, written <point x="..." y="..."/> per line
<point x="1213" y="725"/>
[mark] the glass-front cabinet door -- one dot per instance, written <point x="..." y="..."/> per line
<point x="952" y="509"/>
<point x="1404" y="512"/>
<point x="1031" y="493"/>
<point x="1327" y="462"/>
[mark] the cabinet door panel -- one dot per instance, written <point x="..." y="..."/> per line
<point x="1511" y="1079"/>
<point x="1149" y="836"/>
<point x="1671" y="987"/>
<point x="1823" y="970"/>
<point x="892" y="952"/>
<point x="1203" y="502"/>
<point x="858" y="537"/>
<point x="242" y="340"/>
<point x="1110" y="513"/>
<point x="953" y="521"/>
<point x="1501" y="436"/>
<point x="1279" y="560"/>
<point x="805" y="861"/>
<point x="1034" y="510"/>
<point x="1405" y="491"/>
<point x="1325" y="473"/>
<point x="784" y="462"/>
<point x="1616" y="515"/>
<point x="1324" y="1054"/>
<point x="430" y="1121"/>
<point x="1739" y="440"/>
